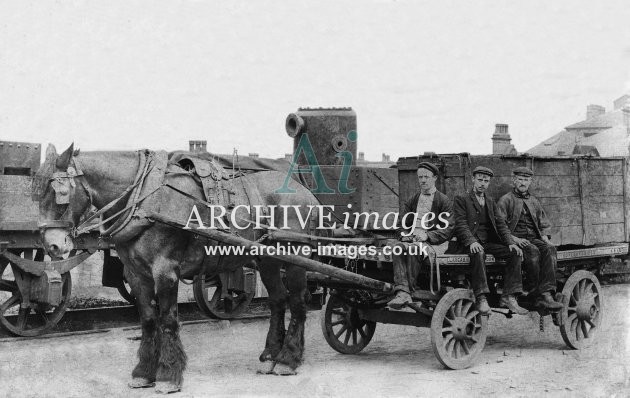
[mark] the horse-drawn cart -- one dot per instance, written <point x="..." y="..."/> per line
<point x="360" y="289"/>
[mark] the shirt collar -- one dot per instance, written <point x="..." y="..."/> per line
<point x="520" y="195"/>
<point x="429" y="192"/>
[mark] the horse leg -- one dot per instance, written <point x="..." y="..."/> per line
<point x="290" y="357"/>
<point x="270" y="276"/>
<point x="143" y="375"/>
<point x="172" y="360"/>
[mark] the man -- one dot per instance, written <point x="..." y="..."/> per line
<point x="432" y="232"/>
<point x="481" y="229"/>
<point x="530" y="231"/>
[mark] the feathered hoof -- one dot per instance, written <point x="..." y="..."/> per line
<point x="166" y="387"/>
<point x="283" y="370"/>
<point x="265" y="368"/>
<point x="140" y="382"/>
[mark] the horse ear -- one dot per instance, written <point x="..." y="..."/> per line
<point x="64" y="159"/>
<point x="51" y="151"/>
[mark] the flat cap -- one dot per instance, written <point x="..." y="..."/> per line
<point x="523" y="171"/>
<point x="483" y="170"/>
<point x="429" y="166"/>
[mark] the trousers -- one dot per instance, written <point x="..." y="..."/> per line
<point x="540" y="263"/>
<point x="513" y="283"/>
<point x="406" y="268"/>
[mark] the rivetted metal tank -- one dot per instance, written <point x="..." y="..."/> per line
<point x="330" y="132"/>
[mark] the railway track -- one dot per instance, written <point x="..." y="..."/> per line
<point x="104" y="319"/>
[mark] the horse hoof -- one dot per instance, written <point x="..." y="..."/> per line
<point x="266" y="368"/>
<point x="166" y="387"/>
<point x="284" y="370"/>
<point x="140" y="382"/>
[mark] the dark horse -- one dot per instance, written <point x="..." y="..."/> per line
<point x="156" y="256"/>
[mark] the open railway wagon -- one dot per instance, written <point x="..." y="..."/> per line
<point x="34" y="290"/>
<point x="587" y="200"/>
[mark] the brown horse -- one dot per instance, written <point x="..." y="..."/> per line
<point x="156" y="256"/>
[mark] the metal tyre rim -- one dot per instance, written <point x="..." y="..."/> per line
<point x="343" y="330"/>
<point x="36" y="319"/>
<point x="583" y="310"/>
<point x="207" y="290"/>
<point x="125" y="292"/>
<point x="458" y="331"/>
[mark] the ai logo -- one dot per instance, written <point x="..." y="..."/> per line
<point x="313" y="168"/>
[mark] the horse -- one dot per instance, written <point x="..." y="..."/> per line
<point x="156" y="256"/>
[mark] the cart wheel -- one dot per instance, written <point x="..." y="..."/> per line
<point x="583" y="309"/>
<point x="125" y="291"/>
<point x="34" y="320"/>
<point x="458" y="331"/>
<point x="344" y="331"/>
<point x="207" y="291"/>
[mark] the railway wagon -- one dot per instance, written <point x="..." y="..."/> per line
<point x="34" y="290"/>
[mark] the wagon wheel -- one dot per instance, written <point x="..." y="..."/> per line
<point x="458" y="331"/>
<point x="125" y="291"/>
<point x="583" y="309"/>
<point x="36" y="319"/>
<point x="208" y="291"/>
<point x="343" y="330"/>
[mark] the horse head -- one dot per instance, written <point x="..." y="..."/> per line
<point x="62" y="197"/>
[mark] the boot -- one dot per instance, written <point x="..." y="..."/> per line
<point x="509" y="301"/>
<point x="402" y="299"/>
<point x="545" y="300"/>
<point x="482" y="305"/>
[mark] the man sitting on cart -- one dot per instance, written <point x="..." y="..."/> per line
<point x="530" y="228"/>
<point x="427" y="199"/>
<point x="480" y="229"/>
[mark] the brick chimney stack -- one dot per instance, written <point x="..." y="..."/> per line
<point x="197" y="145"/>
<point x="594" y="111"/>
<point x="501" y="141"/>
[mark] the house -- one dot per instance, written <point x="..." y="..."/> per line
<point x="600" y="134"/>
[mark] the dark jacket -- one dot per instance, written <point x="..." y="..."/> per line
<point x="441" y="204"/>
<point x="511" y="207"/>
<point x="467" y="210"/>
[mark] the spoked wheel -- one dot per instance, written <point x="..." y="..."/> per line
<point x="125" y="291"/>
<point x="210" y="297"/>
<point x="36" y="319"/>
<point x="458" y="331"/>
<point x="583" y="309"/>
<point x="344" y="331"/>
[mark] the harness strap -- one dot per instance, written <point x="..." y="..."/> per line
<point x="82" y="229"/>
<point x="144" y="168"/>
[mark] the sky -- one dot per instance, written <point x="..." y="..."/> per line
<point x="421" y="75"/>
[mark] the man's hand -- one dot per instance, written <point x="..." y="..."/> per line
<point x="520" y="242"/>
<point x="514" y="248"/>
<point x="547" y="240"/>
<point x="476" y="248"/>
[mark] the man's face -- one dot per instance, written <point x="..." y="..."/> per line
<point x="522" y="183"/>
<point x="426" y="179"/>
<point x="480" y="183"/>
